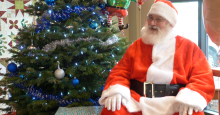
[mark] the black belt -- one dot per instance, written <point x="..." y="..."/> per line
<point x="115" y="7"/>
<point x="160" y="90"/>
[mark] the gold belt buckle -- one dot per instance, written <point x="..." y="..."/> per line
<point x="152" y="84"/>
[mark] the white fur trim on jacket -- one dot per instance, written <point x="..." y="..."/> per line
<point x="164" y="10"/>
<point x="161" y="70"/>
<point x="157" y="106"/>
<point x="191" y="98"/>
<point x="148" y="106"/>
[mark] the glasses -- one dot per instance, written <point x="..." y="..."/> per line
<point x="156" y="20"/>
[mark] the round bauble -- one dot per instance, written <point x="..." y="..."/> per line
<point x="21" y="76"/>
<point x="75" y="82"/>
<point x="12" y="67"/>
<point x="102" y="6"/>
<point x="49" y="2"/>
<point x="59" y="73"/>
<point x="93" y="24"/>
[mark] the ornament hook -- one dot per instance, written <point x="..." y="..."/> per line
<point x="58" y="64"/>
<point x="32" y="42"/>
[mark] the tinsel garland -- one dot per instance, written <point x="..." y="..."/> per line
<point x="61" y="15"/>
<point x="65" y="42"/>
<point x="36" y="94"/>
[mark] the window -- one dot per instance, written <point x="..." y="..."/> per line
<point x="190" y="12"/>
<point x="187" y="25"/>
<point x="212" y="53"/>
<point x="213" y="61"/>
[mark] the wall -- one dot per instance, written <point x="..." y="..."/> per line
<point x="11" y="18"/>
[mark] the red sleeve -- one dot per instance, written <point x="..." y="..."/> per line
<point x="191" y="67"/>
<point x="201" y="77"/>
<point x="120" y="73"/>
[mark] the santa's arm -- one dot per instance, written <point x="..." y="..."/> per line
<point x="200" y="88"/>
<point x="118" y="81"/>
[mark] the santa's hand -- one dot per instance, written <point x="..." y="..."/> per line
<point x="112" y="101"/>
<point x="185" y="109"/>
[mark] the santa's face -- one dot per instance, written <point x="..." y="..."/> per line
<point x="156" y="23"/>
<point x="156" y="29"/>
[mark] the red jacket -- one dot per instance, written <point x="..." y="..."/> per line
<point x="177" y="61"/>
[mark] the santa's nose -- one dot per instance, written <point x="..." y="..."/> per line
<point x="151" y="22"/>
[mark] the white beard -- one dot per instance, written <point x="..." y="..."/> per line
<point x="155" y="37"/>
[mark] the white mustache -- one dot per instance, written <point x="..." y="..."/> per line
<point x="153" y="27"/>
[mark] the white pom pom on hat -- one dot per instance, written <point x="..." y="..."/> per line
<point x="166" y="10"/>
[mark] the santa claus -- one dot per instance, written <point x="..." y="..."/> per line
<point x="161" y="73"/>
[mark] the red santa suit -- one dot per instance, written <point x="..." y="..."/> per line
<point x="176" y="60"/>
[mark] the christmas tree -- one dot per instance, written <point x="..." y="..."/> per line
<point x="63" y="59"/>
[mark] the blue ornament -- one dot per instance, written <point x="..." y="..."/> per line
<point x="12" y="67"/>
<point x="102" y="88"/>
<point x="102" y="6"/>
<point x="93" y="24"/>
<point x="21" y="76"/>
<point x="49" y="2"/>
<point x="75" y="81"/>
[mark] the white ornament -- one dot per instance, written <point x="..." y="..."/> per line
<point x="59" y="73"/>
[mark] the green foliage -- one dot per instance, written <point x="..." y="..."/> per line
<point x="85" y="55"/>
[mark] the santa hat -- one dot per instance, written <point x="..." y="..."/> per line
<point x="165" y="9"/>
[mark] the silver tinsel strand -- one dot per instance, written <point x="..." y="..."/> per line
<point x="66" y="42"/>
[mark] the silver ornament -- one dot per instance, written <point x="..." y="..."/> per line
<point x="31" y="47"/>
<point x="59" y="73"/>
